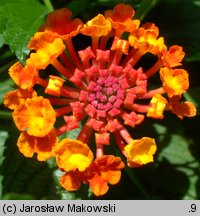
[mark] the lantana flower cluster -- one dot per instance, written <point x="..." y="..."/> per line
<point x="101" y="88"/>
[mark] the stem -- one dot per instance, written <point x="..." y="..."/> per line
<point x="63" y="111"/>
<point x="72" y="52"/>
<point x="95" y="42"/>
<point x="141" y="108"/>
<point x="120" y="142"/>
<point x="65" y="59"/>
<point x="151" y="93"/>
<point x="117" y="57"/>
<point x="85" y="134"/>
<point x="61" y="130"/>
<point x="136" y="181"/>
<point x="48" y="5"/>
<point x="5" y="115"/>
<point x="69" y="92"/>
<point x="133" y="177"/>
<point x="99" y="150"/>
<point x="60" y="101"/>
<point x="63" y="70"/>
<point x="125" y="135"/>
<point x="155" y="68"/>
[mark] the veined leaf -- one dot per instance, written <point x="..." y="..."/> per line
<point x="24" y="176"/>
<point x="19" y="20"/>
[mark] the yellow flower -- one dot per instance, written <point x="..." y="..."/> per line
<point x="54" y="86"/>
<point x="36" y="116"/>
<point x="47" y="47"/>
<point x="140" y="152"/>
<point x="157" y="106"/>
<point x="98" y="26"/>
<point x="73" y="154"/>
<point x="175" y="81"/>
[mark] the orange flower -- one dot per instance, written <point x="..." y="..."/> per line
<point x="108" y="170"/>
<point x="35" y="115"/>
<point x="73" y="154"/>
<point x="146" y="39"/>
<point x="173" y="57"/>
<point x="101" y="88"/>
<point x="103" y="171"/>
<point x="25" y="77"/>
<point x="59" y="22"/>
<point x="157" y="106"/>
<point x="182" y="109"/>
<point x="43" y="146"/>
<point x="175" y="81"/>
<point x="121" y="19"/>
<point x="71" y="181"/>
<point x="140" y="152"/>
<point x="47" y="47"/>
<point x="54" y="86"/>
<point x="121" y="45"/>
<point x="17" y="97"/>
<point x="98" y="26"/>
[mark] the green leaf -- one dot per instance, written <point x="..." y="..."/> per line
<point x="5" y="87"/>
<point x="16" y="196"/>
<point x="19" y="20"/>
<point x="1" y="40"/>
<point x="176" y="158"/>
<point x="193" y="57"/>
<point x="25" y="176"/>
<point x="5" y="115"/>
<point x="177" y="152"/>
<point x="77" y="6"/>
<point x="193" y="95"/>
<point x="145" y="7"/>
<point x="3" y="137"/>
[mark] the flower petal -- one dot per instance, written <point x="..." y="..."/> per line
<point x="59" y="22"/>
<point x="175" y="81"/>
<point x="17" y="97"/>
<point x="70" y="181"/>
<point x="73" y="154"/>
<point x="140" y="152"/>
<point x="36" y="116"/>
<point x="157" y="106"/>
<point x="121" y="18"/>
<point x="173" y="57"/>
<point x="47" y="46"/>
<point x="182" y="109"/>
<point x="107" y="170"/>
<point x="98" y="26"/>
<point x="25" y="77"/>
<point x="54" y="86"/>
<point x="43" y="146"/>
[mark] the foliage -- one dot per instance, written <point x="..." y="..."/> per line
<point x="178" y="150"/>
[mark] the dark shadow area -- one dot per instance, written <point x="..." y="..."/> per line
<point x="25" y="175"/>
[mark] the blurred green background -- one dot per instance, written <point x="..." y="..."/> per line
<point x="175" y="174"/>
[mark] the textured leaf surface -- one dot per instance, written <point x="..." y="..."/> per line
<point x="18" y="23"/>
<point x="22" y="175"/>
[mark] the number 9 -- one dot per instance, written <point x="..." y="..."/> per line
<point x="193" y="207"/>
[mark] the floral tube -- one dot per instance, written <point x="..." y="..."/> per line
<point x="101" y="88"/>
